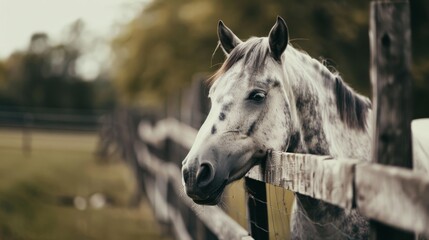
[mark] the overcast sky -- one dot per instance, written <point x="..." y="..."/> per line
<point x="19" y="19"/>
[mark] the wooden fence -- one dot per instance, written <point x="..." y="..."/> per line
<point x="400" y="198"/>
<point x="395" y="198"/>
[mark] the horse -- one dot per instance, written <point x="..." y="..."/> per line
<point x="266" y="96"/>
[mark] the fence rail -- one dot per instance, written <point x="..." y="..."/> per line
<point x="374" y="189"/>
<point x="50" y="119"/>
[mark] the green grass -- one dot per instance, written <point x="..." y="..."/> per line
<point x="63" y="165"/>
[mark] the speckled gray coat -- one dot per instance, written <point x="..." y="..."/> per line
<point x="270" y="96"/>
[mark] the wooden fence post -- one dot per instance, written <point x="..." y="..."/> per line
<point x="193" y="105"/>
<point x="257" y="208"/>
<point x="390" y="41"/>
<point x="27" y="134"/>
<point x="200" y="101"/>
<point x="126" y="137"/>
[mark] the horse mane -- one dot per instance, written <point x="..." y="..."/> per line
<point x="351" y="106"/>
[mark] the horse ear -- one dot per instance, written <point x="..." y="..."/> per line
<point x="227" y="38"/>
<point x="278" y="38"/>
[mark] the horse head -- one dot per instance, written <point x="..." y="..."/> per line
<point x="251" y="113"/>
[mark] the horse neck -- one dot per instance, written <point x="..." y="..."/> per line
<point x="321" y="131"/>
<point x="320" y="125"/>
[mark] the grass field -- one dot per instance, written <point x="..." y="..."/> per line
<point x="36" y="187"/>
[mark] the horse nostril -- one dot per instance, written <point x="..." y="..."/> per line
<point x="186" y="175"/>
<point x="205" y="174"/>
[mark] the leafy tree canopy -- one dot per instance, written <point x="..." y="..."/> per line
<point x="44" y="77"/>
<point x="161" y="50"/>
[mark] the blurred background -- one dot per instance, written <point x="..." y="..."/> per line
<point x="76" y="77"/>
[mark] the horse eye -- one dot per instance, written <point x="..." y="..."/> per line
<point x="257" y="96"/>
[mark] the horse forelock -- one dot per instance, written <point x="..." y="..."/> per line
<point x="254" y="52"/>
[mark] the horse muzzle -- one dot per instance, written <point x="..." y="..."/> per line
<point x="209" y="167"/>
<point x="203" y="183"/>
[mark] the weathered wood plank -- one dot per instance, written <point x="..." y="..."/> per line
<point x="223" y="226"/>
<point x="167" y="128"/>
<point x="390" y="40"/>
<point x="420" y="133"/>
<point x="390" y="35"/>
<point x="334" y="181"/>
<point x="395" y="196"/>
<point x="321" y="177"/>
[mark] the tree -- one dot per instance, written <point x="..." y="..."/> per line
<point x="44" y="76"/>
<point x="160" y="50"/>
